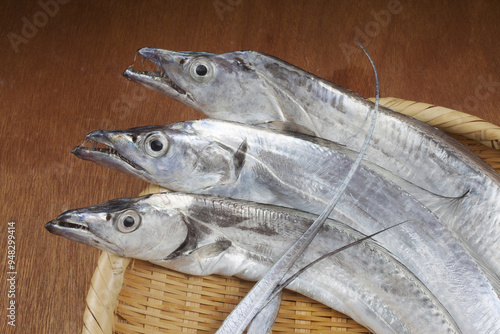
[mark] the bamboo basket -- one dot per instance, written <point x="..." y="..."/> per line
<point x="132" y="296"/>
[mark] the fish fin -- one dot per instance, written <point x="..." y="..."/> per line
<point x="264" y="321"/>
<point x="287" y="127"/>
<point x="239" y="158"/>
<point x="211" y="250"/>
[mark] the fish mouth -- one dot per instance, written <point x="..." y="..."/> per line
<point x="155" y="78"/>
<point x="56" y="226"/>
<point x="96" y="149"/>
<point x="72" y="230"/>
<point x="80" y="232"/>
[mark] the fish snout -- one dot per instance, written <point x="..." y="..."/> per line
<point x="50" y="226"/>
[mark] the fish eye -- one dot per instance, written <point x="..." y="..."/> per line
<point x="156" y="145"/>
<point x="128" y="221"/>
<point x="201" y="70"/>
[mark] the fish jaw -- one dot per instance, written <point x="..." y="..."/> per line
<point x="63" y="227"/>
<point x="105" y="150"/>
<point x="159" y="80"/>
<point x="73" y="226"/>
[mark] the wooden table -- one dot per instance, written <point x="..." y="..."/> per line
<point x="60" y="78"/>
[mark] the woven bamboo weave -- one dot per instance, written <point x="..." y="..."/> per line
<point x="132" y="296"/>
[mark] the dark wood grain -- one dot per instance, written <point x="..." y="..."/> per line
<point x="64" y="80"/>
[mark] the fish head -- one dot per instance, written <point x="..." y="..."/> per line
<point x="174" y="156"/>
<point x="224" y="86"/>
<point x="148" y="228"/>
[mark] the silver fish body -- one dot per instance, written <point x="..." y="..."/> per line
<point x="298" y="171"/>
<point x="255" y="88"/>
<point x="203" y="235"/>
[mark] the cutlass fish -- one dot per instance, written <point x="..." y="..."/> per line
<point x="203" y="235"/>
<point x="255" y="88"/>
<point x="251" y="163"/>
